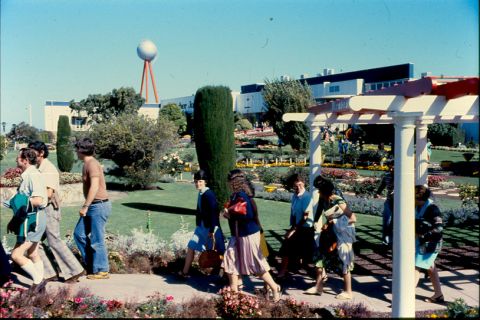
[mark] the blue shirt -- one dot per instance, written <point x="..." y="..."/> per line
<point x="301" y="204"/>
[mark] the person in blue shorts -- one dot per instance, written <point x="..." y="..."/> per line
<point x="428" y="242"/>
<point x="207" y="223"/>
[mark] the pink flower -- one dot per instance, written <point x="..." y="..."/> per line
<point x="169" y="298"/>
<point x="78" y="300"/>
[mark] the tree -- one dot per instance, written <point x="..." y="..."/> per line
<point x="23" y="133"/>
<point x="214" y="140"/>
<point x="288" y="96"/>
<point x="101" y="108"/>
<point x="3" y="146"/>
<point x="174" y="113"/>
<point x="445" y="134"/>
<point x="46" y="136"/>
<point x="135" y="144"/>
<point x="65" y="156"/>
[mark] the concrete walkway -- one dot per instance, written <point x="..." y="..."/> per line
<point x="373" y="291"/>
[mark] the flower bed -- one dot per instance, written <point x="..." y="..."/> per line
<point x="21" y="303"/>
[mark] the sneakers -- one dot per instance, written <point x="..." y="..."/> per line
<point x="98" y="276"/>
<point x="313" y="290"/>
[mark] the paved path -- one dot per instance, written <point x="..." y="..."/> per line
<point x="373" y="291"/>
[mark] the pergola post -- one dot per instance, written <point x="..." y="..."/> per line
<point x="403" y="289"/>
<point x="421" y="154"/>
<point x="315" y="158"/>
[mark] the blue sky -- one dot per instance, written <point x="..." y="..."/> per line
<point x="63" y="50"/>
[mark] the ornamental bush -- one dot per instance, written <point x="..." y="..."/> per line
<point x="135" y="144"/>
<point x="65" y="156"/>
<point x="214" y="139"/>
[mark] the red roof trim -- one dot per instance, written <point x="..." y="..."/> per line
<point x="457" y="89"/>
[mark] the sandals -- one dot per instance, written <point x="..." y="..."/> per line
<point x="313" y="290"/>
<point x="343" y="296"/>
<point x="439" y="299"/>
<point x="278" y="294"/>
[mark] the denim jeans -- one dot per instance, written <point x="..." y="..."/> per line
<point x="89" y="236"/>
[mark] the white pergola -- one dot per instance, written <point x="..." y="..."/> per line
<point x="410" y="107"/>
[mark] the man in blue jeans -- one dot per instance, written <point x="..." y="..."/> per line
<point x="89" y="233"/>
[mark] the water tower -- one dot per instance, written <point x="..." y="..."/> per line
<point x="147" y="51"/>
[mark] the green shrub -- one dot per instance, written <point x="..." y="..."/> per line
<point x="214" y="140"/>
<point x="243" y="124"/>
<point x="459" y="309"/>
<point x="135" y="144"/>
<point x="65" y="156"/>
<point x="267" y="175"/>
<point x="366" y="188"/>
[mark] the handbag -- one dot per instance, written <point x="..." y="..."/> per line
<point x="240" y="207"/>
<point x="210" y="258"/>
<point x="328" y="239"/>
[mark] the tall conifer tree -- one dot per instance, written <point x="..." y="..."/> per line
<point x="214" y="140"/>
<point x="65" y="157"/>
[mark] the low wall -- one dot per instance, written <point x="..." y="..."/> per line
<point x="70" y="194"/>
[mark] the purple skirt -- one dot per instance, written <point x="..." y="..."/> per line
<point x="244" y="256"/>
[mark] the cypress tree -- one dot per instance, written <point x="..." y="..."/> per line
<point x="65" y="155"/>
<point x="214" y="140"/>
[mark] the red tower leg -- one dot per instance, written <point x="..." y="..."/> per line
<point x="153" y="81"/>
<point x="143" y="75"/>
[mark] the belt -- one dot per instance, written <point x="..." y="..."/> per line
<point x="99" y="201"/>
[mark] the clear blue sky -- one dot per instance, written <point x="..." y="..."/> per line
<point x="63" y="50"/>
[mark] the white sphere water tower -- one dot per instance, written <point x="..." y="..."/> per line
<point x="147" y="51"/>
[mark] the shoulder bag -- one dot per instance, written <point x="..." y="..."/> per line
<point x="210" y="258"/>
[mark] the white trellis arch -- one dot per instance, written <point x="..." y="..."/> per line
<point x="410" y="107"/>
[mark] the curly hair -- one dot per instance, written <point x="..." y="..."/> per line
<point x="239" y="182"/>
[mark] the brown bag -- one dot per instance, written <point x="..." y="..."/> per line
<point x="210" y="258"/>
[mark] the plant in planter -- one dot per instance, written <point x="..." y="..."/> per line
<point x="468" y="156"/>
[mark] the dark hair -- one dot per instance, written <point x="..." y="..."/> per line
<point x="325" y="187"/>
<point x="39" y="146"/>
<point x="29" y="154"/>
<point x="200" y="175"/>
<point x="422" y="193"/>
<point x="318" y="180"/>
<point x="294" y="178"/>
<point x="85" y="146"/>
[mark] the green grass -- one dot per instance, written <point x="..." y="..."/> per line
<point x="455" y="156"/>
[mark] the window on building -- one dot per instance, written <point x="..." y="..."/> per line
<point x="79" y="122"/>
<point x="334" y="89"/>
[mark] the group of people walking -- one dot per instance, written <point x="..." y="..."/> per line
<point x="323" y="238"/>
<point x="37" y="215"/>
